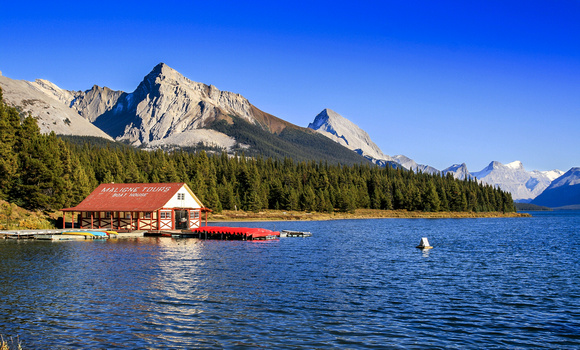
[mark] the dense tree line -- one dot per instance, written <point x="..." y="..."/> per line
<point x="46" y="172"/>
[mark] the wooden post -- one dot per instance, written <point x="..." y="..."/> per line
<point x="159" y="220"/>
<point x="92" y="221"/>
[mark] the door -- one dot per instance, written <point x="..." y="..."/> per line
<point x="181" y="220"/>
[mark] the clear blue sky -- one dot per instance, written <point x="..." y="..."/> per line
<point x="441" y="82"/>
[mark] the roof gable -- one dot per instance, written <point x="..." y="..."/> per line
<point x="131" y="197"/>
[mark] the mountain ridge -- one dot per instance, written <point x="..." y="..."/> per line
<point x="47" y="103"/>
<point x="168" y="110"/>
<point x="563" y="192"/>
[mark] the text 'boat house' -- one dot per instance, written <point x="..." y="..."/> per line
<point x="129" y="207"/>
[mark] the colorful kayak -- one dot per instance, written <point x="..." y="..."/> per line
<point x="91" y="233"/>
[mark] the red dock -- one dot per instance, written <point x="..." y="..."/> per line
<point x="230" y="233"/>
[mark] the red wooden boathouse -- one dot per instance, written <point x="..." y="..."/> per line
<point x="128" y="207"/>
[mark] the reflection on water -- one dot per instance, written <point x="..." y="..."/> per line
<point x="354" y="284"/>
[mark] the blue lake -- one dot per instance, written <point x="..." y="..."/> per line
<point x="356" y="284"/>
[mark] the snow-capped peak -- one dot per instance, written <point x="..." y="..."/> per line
<point x="512" y="177"/>
<point x="552" y="174"/>
<point x="570" y="178"/>
<point x="516" y="165"/>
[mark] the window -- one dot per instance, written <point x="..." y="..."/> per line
<point x="181" y="196"/>
<point x="147" y="216"/>
<point x="165" y="215"/>
<point x="196" y="214"/>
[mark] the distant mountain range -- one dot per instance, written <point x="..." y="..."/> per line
<point x="512" y="177"/>
<point x="168" y="110"/>
<point x="523" y="185"/>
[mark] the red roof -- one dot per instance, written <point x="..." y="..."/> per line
<point x="129" y="197"/>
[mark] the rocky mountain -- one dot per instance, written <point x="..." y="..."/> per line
<point x="343" y="131"/>
<point x="409" y="163"/>
<point x="49" y="105"/>
<point x="564" y="192"/>
<point x="167" y="106"/>
<point x="459" y="171"/>
<point x="165" y="109"/>
<point x="169" y="110"/>
<point x="512" y="177"/>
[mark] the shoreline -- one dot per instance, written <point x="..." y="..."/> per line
<point x="282" y="215"/>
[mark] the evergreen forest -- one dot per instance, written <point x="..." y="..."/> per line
<point x="47" y="172"/>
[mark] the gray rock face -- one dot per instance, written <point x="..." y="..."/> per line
<point x="95" y="102"/>
<point x="49" y="105"/>
<point x="166" y="104"/>
<point x="343" y="131"/>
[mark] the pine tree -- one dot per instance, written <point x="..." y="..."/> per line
<point x="431" y="198"/>
<point x="9" y="124"/>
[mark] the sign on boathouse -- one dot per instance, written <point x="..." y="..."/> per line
<point x="160" y="206"/>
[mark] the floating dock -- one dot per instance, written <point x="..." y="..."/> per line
<point x="229" y="233"/>
<point x="58" y="235"/>
<point x="290" y="233"/>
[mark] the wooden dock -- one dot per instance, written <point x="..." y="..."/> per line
<point x="27" y="234"/>
<point x="52" y="235"/>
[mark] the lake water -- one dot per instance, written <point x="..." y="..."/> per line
<point x="356" y="284"/>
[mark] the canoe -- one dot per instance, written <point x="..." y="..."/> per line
<point x="91" y="233"/>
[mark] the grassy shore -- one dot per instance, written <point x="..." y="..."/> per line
<point x="13" y="217"/>
<point x="281" y="215"/>
<point x="16" y="218"/>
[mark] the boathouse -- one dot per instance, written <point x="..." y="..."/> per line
<point x="129" y="207"/>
